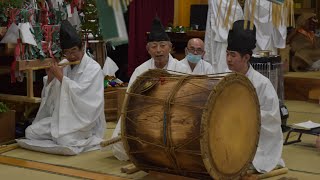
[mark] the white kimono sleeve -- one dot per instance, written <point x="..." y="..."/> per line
<point x="269" y="150"/>
<point x="81" y="101"/>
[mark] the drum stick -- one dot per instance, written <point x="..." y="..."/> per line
<point x="110" y="141"/>
<point x="132" y="170"/>
<point x="127" y="168"/>
<point x="273" y="173"/>
<point x="254" y="171"/>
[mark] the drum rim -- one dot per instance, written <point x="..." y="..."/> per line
<point x="205" y="152"/>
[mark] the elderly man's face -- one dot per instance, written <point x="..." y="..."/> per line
<point x="159" y="51"/>
<point x="195" y="46"/>
<point x="73" y="54"/>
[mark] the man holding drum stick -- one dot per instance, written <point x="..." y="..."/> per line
<point x="241" y="42"/>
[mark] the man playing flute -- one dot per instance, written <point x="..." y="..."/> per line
<point x="71" y="117"/>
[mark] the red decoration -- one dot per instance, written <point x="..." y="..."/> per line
<point x="48" y="31"/>
<point x="13" y="13"/>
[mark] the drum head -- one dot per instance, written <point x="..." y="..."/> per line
<point x="230" y="127"/>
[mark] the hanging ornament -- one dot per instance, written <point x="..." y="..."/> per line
<point x="282" y="12"/>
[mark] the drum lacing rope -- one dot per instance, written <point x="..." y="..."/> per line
<point x="166" y="122"/>
<point x="154" y="98"/>
<point x="188" y="142"/>
<point x="141" y="141"/>
<point x="162" y="100"/>
<point x="141" y="109"/>
<point x="138" y="109"/>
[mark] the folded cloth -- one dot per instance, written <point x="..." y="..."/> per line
<point x="11" y="35"/>
<point x="110" y="67"/>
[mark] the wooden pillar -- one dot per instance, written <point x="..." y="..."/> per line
<point x="121" y="92"/>
<point x="99" y="51"/>
<point x="30" y="83"/>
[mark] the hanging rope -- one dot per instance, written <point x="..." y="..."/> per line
<point x="280" y="13"/>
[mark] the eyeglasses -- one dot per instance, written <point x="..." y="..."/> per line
<point x="71" y="52"/>
<point x="193" y="50"/>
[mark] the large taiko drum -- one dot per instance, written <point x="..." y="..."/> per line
<point x="196" y="126"/>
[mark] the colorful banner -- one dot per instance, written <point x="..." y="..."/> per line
<point x="111" y="21"/>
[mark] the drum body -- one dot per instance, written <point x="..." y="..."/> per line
<point x="196" y="126"/>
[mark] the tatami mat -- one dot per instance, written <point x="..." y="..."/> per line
<point x="16" y="173"/>
<point x="302" y="159"/>
<point x="302" y="107"/>
<point x="98" y="161"/>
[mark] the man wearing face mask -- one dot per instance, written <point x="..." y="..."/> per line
<point x="193" y="60"/>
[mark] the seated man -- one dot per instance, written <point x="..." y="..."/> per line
<point x="71" y="117"/>
<point x="304" y="44"/>
<point x="159" y="47"/>
<point x="194" y="58"/>
<point x="241" y="42"/>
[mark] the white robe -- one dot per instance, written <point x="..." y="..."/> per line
<point x="217" y="35"/>
<point x="201" y="68"/>
<point x="173" y="65"/>
<point x="269" y="150"/>
<point x="268" y="36"/>
<point x="71" y="117"/>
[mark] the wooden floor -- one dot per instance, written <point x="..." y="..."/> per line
<point x="302" y="159"/>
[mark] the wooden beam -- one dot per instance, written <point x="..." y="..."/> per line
<point x="63" y="170"/>
<point x="6" y="148"/>
<point x="29" y="64"/>
<point x="18" y="98"/>
<point x="154" y="175"/>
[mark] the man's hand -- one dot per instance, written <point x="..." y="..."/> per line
<point x="55" y="71"/>
<point x="50" y="75"/>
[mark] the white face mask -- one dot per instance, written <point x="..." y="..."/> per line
<point x="193" y="58"/>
